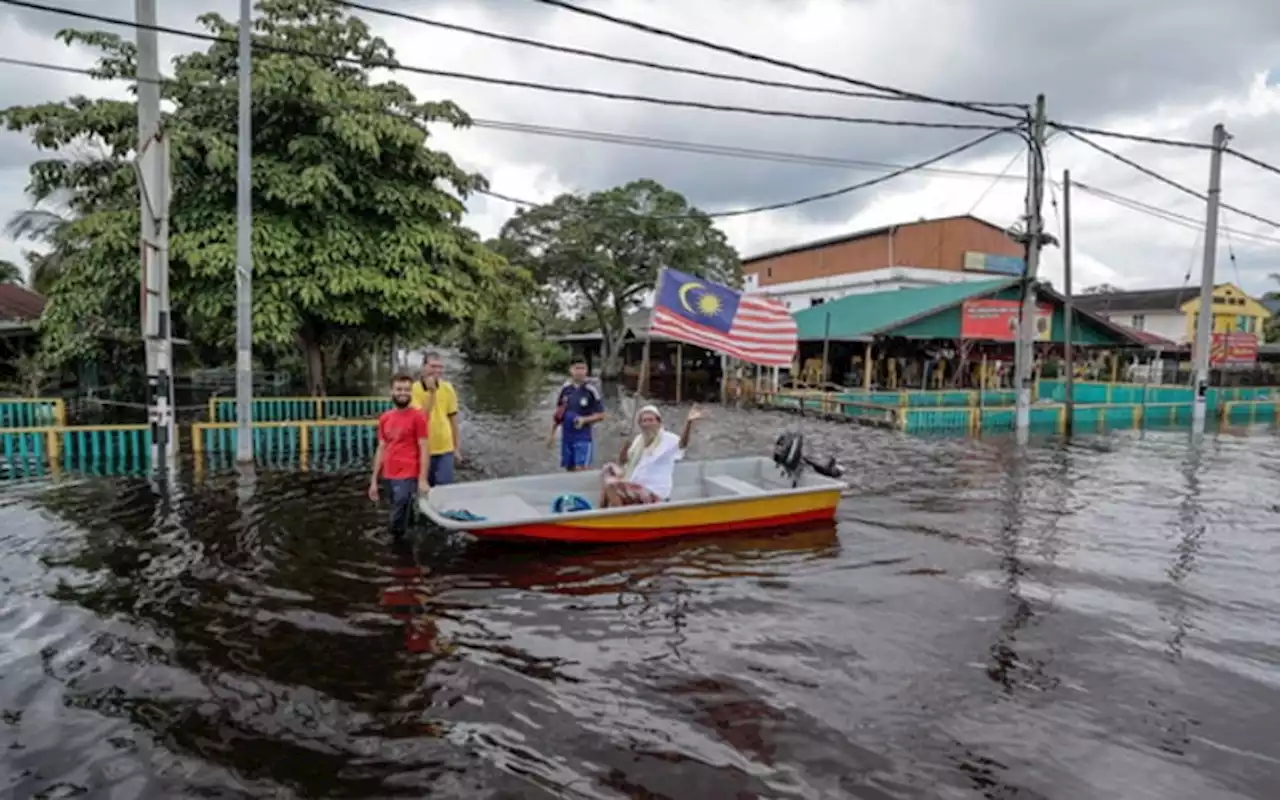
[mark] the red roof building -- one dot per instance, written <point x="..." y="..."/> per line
<point x="18" y="304"/>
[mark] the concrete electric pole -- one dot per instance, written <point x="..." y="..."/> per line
<point x="1204" y="321"/>
<point x="244" y="244"/>
<point x="1024" y="350"/>
<point x="153" y="184"/>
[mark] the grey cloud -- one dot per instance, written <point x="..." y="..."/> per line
<point x="1096" y="61"/>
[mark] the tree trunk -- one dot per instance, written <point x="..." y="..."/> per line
<point x="313" y="354"/>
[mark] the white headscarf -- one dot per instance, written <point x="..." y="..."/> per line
<point x="638" y="444"/>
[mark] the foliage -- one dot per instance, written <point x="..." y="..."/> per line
<point x="10" y="272"/>
<point x="30" y="378"/>
<point x="1101" y="288"/>
<point x="353" y="229"/>
<point x="606" y="248"/>
<point x="50" y="229"/>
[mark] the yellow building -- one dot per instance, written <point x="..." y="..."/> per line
<point x="1233" y="312"/>
<point x="1172" y="313"/>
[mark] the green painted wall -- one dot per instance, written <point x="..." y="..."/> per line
<point x="946" y="325"/>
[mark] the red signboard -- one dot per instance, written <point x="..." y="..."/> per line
<point x="1228" y="349"/>
<point x="997" y="320"/>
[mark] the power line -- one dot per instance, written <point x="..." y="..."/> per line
<point x="763" y="59"/>
<point x="626" y="60"/>
<point x="1257" y="162"/>
<point x="624" y="139"/>
<point x="730" y="151"/>
<point x="1167" y="180"/>
<point x="812" y="198"/>
<point x="1165" y="214"/>
<point x="1132" y="137"/>
<point x="508" y="82"/>
<point x="714" y="149"/>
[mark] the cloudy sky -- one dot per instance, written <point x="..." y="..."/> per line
<point x="1168" y="68"/>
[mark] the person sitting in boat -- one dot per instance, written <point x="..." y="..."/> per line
<point x="646" y="468"/>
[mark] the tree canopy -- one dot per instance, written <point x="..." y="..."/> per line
<point x="606" y="248"/>
<point x="354" y="228"/>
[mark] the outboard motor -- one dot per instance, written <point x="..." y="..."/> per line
<point x="788" y="454"/>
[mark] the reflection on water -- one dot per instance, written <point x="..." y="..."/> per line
<point x="1086" y="621"/>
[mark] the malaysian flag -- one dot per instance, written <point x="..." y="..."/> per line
<point x="746" y="327"/>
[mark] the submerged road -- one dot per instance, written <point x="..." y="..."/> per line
<point x="1092" y="621"/>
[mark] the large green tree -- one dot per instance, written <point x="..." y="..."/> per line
<point x="605" y="249"/>
<point x="10" y="272"/>
<point x="355" y="229"/>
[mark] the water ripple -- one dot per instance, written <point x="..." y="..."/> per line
<point x="1084" y="621"/>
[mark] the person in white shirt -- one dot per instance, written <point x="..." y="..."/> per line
<point x="646" y="468"/>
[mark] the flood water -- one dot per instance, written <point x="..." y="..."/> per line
<point x="1094" y="621"/>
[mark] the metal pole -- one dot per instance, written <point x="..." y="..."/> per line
<point x="1069" y="309"/>
<point x="153" y="175"/>
<point x="1024" y="351"/>
<point x="1204" y="322"/>
<point x="244" y="246"/>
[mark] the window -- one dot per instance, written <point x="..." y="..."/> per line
<point x="768" y="271"/>
<point x="1139" y="322"/>
<point x="816" y="301"/>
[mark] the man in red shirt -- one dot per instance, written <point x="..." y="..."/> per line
<point x="402" y="456"/>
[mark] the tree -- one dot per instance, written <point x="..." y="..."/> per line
<point x="607" y="248"/>
<point x="1101" y="288"/>
<point x="10" y="272"/>
<point x="354" y="227"/>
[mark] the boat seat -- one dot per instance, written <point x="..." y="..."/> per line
<point x="733" y="485"/>
<point x="506" y="507"/>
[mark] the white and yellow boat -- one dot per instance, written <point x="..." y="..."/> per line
<point x="721" y="496"/>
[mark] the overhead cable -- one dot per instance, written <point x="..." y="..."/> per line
<point x="629" y="61"/>
<point x="1167" y="180"/>
<point x="776" y="62"/>
<point x="508" y="82"/>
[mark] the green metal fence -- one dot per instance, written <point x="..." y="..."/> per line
<point x="298" y="409"/>
<point x="79" y="450"/>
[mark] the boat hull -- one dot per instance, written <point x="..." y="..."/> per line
<point x="650" y="524"/>
<point x="721" y="497"/>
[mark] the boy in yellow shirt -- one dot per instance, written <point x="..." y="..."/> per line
<point x="438" y="398"/>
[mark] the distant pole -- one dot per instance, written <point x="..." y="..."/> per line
<point x="244" y="244"/>
<point x="153" y="181"/>
<point x="1024" y="351"/>
<point x="1204" y="322"/>
<point x="1069" y="308"/>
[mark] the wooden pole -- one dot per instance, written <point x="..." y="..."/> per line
<point x="679" y="371"/>
<point x="642" y="383"/>
<point x="826" y="350"/>
<point x="866" y="367"/>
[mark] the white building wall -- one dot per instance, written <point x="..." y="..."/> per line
<point x="1169" y="324"/>
<point x="799" y="295"/>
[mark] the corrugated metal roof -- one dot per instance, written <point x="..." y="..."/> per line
<point x="861" y="316"/>
<point x="863" y="234"/>
<point x="18" y="304"/>
<point x="1143" y="300"/>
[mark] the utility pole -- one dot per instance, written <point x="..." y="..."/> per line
<point x="244" y="244"/>
<point x="1069" y="308"/>
<point x="153" y="184"/>
<point x="1024" y="350"/>
<point x="1204" y="320"/>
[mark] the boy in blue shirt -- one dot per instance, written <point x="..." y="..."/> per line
<point x="579" y="406"/>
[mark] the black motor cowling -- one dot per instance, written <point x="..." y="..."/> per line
<point x="788" y="454"/>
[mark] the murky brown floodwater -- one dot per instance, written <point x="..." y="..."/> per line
<point x="1098" y="621"/>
